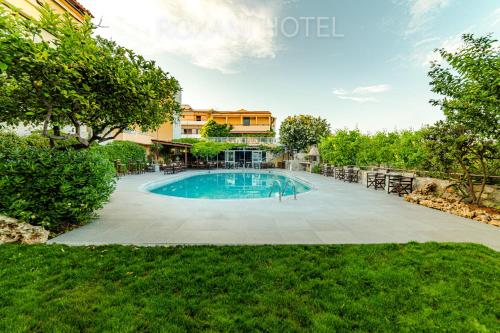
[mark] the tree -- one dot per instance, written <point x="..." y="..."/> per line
<point x="74" y="79"/>
<point x="212" y="129"/>
<point x="455" y="144"/>
<point x="469" y="80"/>
<point x="301" y="131"/>
<point x="341" y="148"/>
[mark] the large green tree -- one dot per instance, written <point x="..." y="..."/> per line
<point x="469" y="81"/>
<point x="301" y="131"/>
<point x="56" y="73"/>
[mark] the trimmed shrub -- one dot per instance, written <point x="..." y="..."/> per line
<point x="122" y="150"/>
<point x="52" y="188"/>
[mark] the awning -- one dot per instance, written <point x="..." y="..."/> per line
<point x="173" y="144"/>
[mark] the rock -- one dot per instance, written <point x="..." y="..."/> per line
<point x="481" y="214"/>
<point x="13" y="231"/>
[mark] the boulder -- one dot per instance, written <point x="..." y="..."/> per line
<point x="13" y="231"/>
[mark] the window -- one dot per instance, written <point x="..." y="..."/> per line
<point x="246" y="121"/>
<point x="187" y="131"/>
<point x="198" y="118"/>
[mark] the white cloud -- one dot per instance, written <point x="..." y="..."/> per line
<point x="495" y="17"/>
<point x="426" y="41"/>
<point x="372" y="89"/>
<point x="340" y="92"/>
<point x="425" y="55"/>
<point x="422" y="11"/>
<point x="365" y="90"/>
<point x="358" y="99"/>
<point x="214" y="34"/>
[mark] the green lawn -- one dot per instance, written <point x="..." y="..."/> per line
<point x="414" y="287"/>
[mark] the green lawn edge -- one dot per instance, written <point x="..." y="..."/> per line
<point x="289" y="288"/>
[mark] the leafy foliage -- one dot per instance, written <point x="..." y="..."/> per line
<point x="75" y="79"/>
<point x="187" y="140"/>
<point x="456" y="146"/>
<point x="212" y="129"/>
<point x="469" y="138"/>
<point x="211" y="149"/>
<point x="299" y="132"/>
<point x="50" y="187"/>
<point x="392" y="149"/>
<point x="469" y="80"/>
<point x="122" y="150"/>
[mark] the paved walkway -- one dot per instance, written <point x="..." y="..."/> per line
<point x="333" y="213"/>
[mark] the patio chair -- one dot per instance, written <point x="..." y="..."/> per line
<point x="168" y="169"/>
<point x="340" y="173"/>
<point x="379" y="181"/>
<point x="351" y="175"/>
<point x="370" y="179"/>
<point x="393" y="183"/>
<point x="404" y="185"/>
<point x="324" y="170"/>
<point x="131" y="167"/>
<point x="121" y="169"/>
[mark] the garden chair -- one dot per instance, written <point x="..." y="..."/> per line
<point x="370" y="179"/>
<point x="393" y="183"/>
<point x="121" y="169"/>
<point x="379" y="181"/>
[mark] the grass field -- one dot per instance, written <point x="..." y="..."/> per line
<point x="414" y="287"/>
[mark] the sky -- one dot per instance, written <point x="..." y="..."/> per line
<point x="358" y="63"/>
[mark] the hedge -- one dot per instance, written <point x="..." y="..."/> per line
<point x="50" y="187"/>
<point x="122" y="150"/>
<point x="403" y="149"/>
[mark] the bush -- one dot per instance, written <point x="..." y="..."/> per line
<point x="403" y="149"/>
<point x="122" y="150"/>
<point x="52" y="188"/>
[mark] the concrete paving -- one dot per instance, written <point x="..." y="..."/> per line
<point x="333" y="212"/>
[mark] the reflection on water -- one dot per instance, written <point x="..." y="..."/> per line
<point x="228" y="186"/>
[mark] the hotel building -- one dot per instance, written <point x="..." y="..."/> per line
<point x="242" y="122"/>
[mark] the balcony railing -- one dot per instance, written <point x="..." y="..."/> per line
<point x="191" y="136"/>
<point x="249" y="140"/>
<point x="251" y="128"/>
<point x="193" y="122"/>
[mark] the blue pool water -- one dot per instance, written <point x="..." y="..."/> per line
<point x="234" y="185"/>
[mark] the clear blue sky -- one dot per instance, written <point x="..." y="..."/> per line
<point x="354" y="62"/>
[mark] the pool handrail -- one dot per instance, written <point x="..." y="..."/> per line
<point x="289" y="181"/>
<point x="276" y="181"/>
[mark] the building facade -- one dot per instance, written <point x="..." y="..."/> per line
<point x="29" y="8"/>
<point x="243" y="122"/>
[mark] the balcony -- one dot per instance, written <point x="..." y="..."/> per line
<point x="250" y="128"/>
<point x="193" y="122"/>
<point x="190" y="136"/>
<point x="255" y="141"/>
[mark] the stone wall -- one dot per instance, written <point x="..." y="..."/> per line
<point x="491" y="194"/>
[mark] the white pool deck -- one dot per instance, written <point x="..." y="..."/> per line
<point x="333" y="212"/>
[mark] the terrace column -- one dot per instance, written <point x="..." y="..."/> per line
<point x="185" y="157"/>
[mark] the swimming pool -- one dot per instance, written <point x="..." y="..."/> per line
<point x="228" y="185"/>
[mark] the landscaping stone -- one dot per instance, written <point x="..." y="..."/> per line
<point x="13" y="231"/>
<point x="450" y="205"/>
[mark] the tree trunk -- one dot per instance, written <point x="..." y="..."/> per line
<point x="484" y="170"/>
<point x="470" y="185"/>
